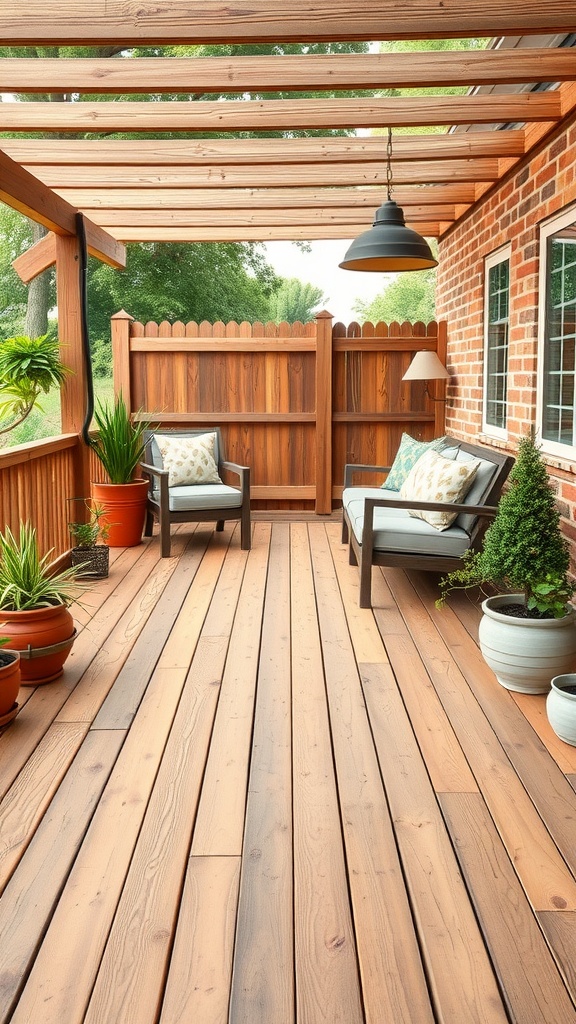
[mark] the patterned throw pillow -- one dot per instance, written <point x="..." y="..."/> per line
<point x="407" y="456"/>
<point x="189" y="460"/>
<point x="435" y="478"/>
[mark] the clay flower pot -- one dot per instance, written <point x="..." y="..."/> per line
<point x="44" y="638"/>
<point x="125" y="506"/>
<point x="9" y="684"/>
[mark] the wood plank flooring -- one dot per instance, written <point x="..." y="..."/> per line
<point x="249" y="801"/>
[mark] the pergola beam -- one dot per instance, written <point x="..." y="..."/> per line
<point x="23" y="192"/>
<point x="331" y="149"/>
<point x="36" y="259"/>
<point x="225" y="233"/>
<point x="248" y="216"/>
<point x="271" y="198"/>
<point x="307" y="175"/>
<point x="279" y="115"/>
<point x="65" y="22"/>
<point x="302" y="73"/>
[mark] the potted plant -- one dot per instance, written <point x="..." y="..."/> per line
<point x="28" y="368"/>
<point x="9" y="682"/>
<point x="119" y="445"/>
<point x="34" y="600"/>
<point x="528" y="633"/>
<point x="90" y="552"/>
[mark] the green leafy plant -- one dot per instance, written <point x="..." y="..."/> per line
<point x="120" y="442"/>
<point x="26" y="579"/>
<point x="87" y="534"/>
<point x="28" y="368"/>
<point x="523" y="548"/>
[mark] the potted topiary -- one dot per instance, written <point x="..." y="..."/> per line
<point x="91" y="552"/>
<point x="119" y="445"/>
<point x="9" y="682"/>
<point x="528" y="633"/>
<point x="34" y="600"/>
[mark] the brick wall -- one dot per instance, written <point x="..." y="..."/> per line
<point x="544" y="185"/>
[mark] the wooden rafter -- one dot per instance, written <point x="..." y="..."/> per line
<point x="337" y="149"/>
<point x="286" y="176"/>
<point x="279" y="115"/>
<point x="37" y="22"/>
<point x="223" y="232"/>
<point x="302" y="73"/>
<point x="237" y="198"/>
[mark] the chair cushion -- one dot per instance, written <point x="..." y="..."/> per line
<point x="189" y="460"/>
<point x="435" y="478"/>
<point x="396" y="530"/>
<point x="480" y="487"/>
<point x="408" y="453"/>
<point x="196" y="497"/>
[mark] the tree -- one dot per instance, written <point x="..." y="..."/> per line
<point x="295" y="301"/>
<point x="409" y="297"/>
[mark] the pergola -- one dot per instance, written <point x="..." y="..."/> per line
<point x="238" y="189"/>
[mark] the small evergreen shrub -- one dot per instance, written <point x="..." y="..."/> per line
<point x="523" y="548"/>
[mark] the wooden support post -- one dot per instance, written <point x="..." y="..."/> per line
<point x="440" y="390"/>
<point x="120" y="326"/>
<point x="323" y="413"/>
<point x="73" y="394"/>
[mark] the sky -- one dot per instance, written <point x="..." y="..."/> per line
<point x="320" y="267"/>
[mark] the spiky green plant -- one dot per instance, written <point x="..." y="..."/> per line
<point x="120" y="443"/>
<point x="26" y="580"/>
<point x="523" y="548"/>
<point x="29" y="367"/>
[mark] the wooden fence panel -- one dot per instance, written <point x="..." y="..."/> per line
<point x="295" y="401"/>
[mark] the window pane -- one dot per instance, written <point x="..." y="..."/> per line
<point x="496" y="354"/>
<point x="559" y="354"/>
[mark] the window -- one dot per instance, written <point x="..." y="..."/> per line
<point x="496" y="321"/>
<point x="557" y="390"/>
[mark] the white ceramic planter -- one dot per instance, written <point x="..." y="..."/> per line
<point x="561" y="707"/>
<point x="525" y="654"/>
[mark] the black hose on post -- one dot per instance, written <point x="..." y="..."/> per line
<point x="83" y="270"/>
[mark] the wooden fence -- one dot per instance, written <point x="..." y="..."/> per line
<point x="295" y="402"/>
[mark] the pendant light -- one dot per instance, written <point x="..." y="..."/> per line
<point x="389" y="244"/>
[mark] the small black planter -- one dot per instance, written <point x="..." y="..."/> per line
<point x="94" y="561"/>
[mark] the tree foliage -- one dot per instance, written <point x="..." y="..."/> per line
<point x="409" y="297"/>
<point x="295" y="301"/>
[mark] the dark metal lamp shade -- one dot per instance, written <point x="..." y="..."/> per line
<point x="389" y="245"/>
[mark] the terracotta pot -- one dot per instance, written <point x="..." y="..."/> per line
<point x="9" y="680"/>
<point x="125" y="506"/>
<point x="44" y="637"/>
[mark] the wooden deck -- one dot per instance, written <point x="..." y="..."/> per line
<point x="248" y="800"/>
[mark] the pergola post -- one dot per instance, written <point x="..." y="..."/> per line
<point x="323" y="413"/>
<point x="73" y="392"/>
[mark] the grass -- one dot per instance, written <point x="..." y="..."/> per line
<point x="46" y="422"/>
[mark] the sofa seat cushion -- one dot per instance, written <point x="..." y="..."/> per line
<point x="396" y="530"/>
<point x="198" y="497"/>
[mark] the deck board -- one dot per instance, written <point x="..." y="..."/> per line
<point x="249" y="801"/>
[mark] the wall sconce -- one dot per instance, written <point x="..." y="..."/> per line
<point x="427" y="366"/>
<point x="389" y="244"/>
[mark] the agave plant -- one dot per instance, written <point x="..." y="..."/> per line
<point x="29" y="367"/>
<point x="120" y="443"/>
<point x="25" y="578"/>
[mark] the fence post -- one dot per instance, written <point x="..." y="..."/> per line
<point x="323" y="413"/>
<point x="120" y="328"/>
<point x="440" y="392"/>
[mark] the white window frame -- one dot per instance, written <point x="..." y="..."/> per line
<point x="499" y="256"/>
<point x="550" y="227"/>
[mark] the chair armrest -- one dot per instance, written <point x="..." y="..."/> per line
<point x="152" y="470"/>
<point x="355" y="467"/>
<point x="243" y="472"/>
